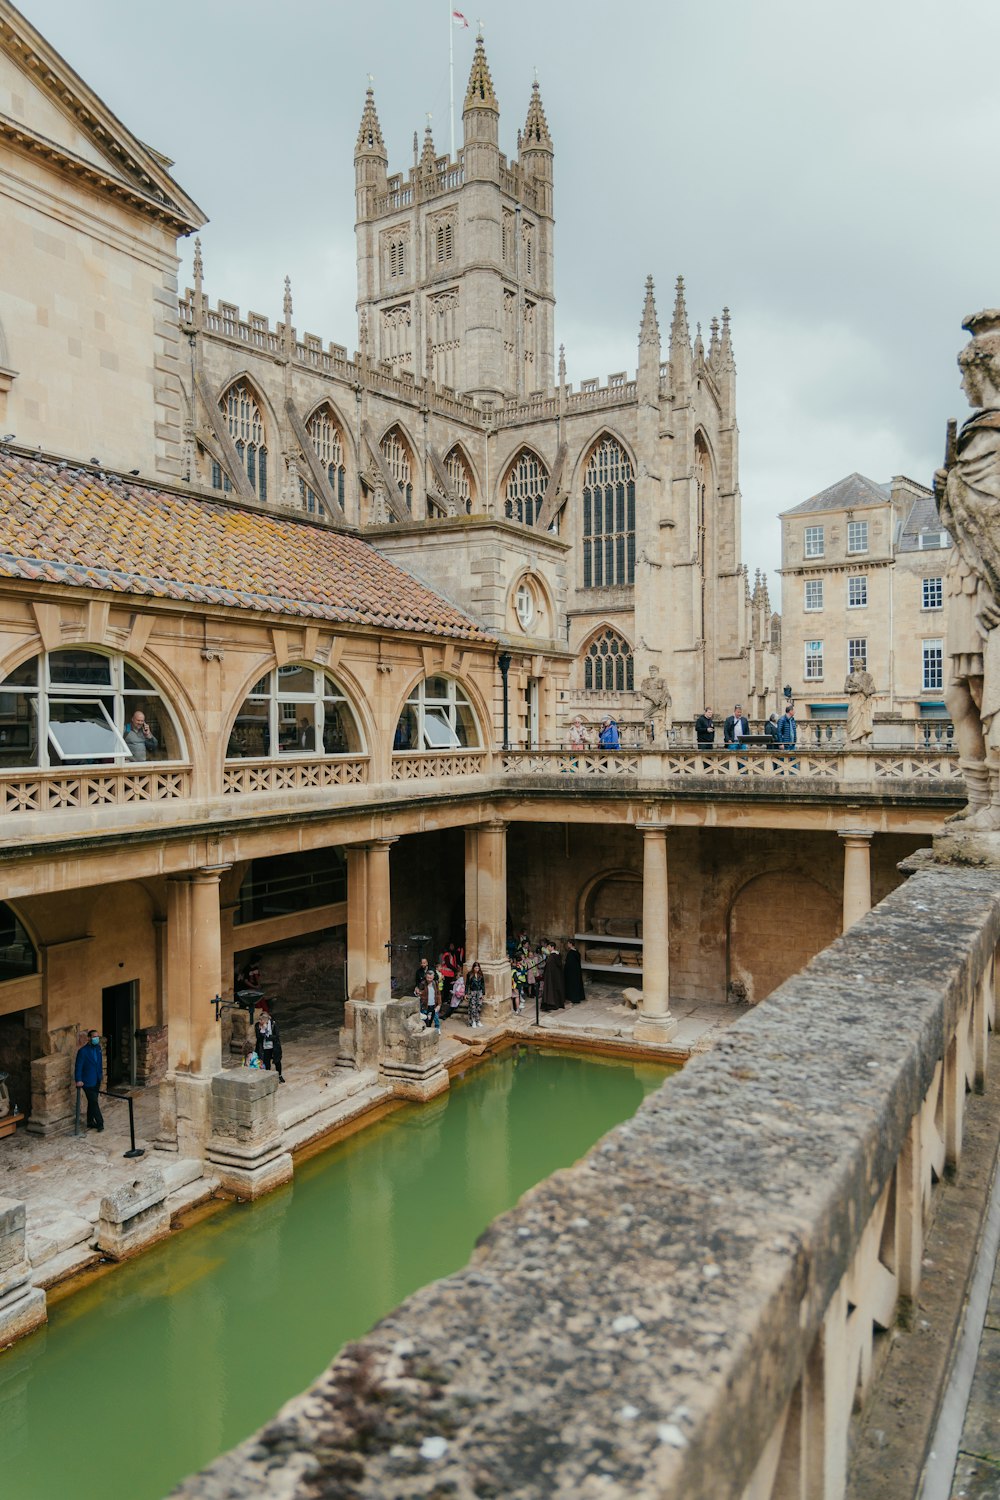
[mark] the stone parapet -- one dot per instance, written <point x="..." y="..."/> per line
<point x="246" y="1141"/>
<point x="693" y="1308"/>
<point x="391" y="1036"/>
<point x="134" y="1215"/>
<point x="22" y="1306"/>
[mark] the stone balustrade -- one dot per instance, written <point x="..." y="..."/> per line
<point x="106" y="786"/>
<point x="693" y="1311"/>
<point x="246" y="777"/>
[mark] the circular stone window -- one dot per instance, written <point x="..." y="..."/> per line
<point x="524" y="605"/>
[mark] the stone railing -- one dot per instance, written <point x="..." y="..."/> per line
<point x="59" y="791"/>
<point x="245" y="776"/>
<point x="427" y="765"/>
<point x="813" y="734"/>
<point x="801" y="764"/>
<point x="693" y="1311"/>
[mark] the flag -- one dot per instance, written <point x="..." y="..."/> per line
<point x="458" y="19"/>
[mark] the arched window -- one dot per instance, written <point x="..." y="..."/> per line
<point x="295" y="710"/>
<point x="608" y="665"/>
<point x="528" y="241"/>
<point x="397" y="257"/>
<point x="608" y="517"/>
<point x="325" y="436"/>
<point x="75" y="708"/>
<point x="524" y="491"/>
<point x="397" y="455"/>
<point x="436" y="716"/>
<point x="246" y="428"/>
<point x="17" y="951"/>
<point x="444" y="241"/>
<point x="460" y="478"/>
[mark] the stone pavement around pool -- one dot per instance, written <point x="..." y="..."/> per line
<point x="62" y="1179"/>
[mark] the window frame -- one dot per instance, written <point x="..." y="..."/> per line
<point x="862" y="580"/>
<point x="813" y="608"/>
<point x="861" y="527"/>
<point x="813" y="653"/>
<point x="939" y="590"/>
<point x="451" y="713"/>
<point x="608" y="509"/>
<point x="932" y="655"/>
<point x="853" y="643"/>
<point x="283" y="709"/>
<point x="811" y="535"/>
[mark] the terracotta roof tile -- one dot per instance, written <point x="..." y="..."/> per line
<point x="74" y="527"/>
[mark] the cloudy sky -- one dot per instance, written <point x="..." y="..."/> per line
<point x="827" y="170"/>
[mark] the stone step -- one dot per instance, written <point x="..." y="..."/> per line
<point x="50" y="1233"/>
<point x="180" y="1170"/>
<point x="191" y="1194"/>
<point x="339" y="1113"/>
<point x="318" y="1098"/>
<point x="67" y="1263"/>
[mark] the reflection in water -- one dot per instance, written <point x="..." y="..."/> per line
<point x="158" y="1367"/>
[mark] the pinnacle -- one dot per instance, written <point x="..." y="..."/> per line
<point x="479" y="94"/>
<point x="428" y="157"/>
<point x="536" y="129"/>
<point x="679" y="331"/>
<point x="287" y="305"/>
<point x="649" y="332"/>
<point x="370" y="131"/>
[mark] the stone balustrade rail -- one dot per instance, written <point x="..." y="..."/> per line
<point x="693" y="1311"/>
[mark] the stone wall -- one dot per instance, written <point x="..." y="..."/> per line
<point x="692" y="1307"/>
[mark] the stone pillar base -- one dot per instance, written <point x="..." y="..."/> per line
<point x="496" y="1002"/>
<point x="22" y="1306"/>
<point x="53" y="1102"/>
<point x="246" y="1144"/>
<point x="654" y="1028"/>
<point x="134" y="1216"/>
<point x="185" y="1114"/>
<point x="410" y="1058"/>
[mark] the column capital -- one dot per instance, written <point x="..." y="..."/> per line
<point x="490" y="825"/>
<point x="204" y="875"/>
<point x="648" y="829"/>
<point x="856" y="835"/>
<point x="381" y="842"/>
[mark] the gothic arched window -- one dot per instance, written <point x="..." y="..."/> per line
<point x="246" y="428"/>
<point x="608" y="517"/>
<point x="524" y="490"/>
<point x="397" y="455"/>
<point x="397" y="257"/>
<point x="325" y="436"/>
<point x="444" y="241"/>
<point x="608" y="665"/>
<point x="460" y="478"/>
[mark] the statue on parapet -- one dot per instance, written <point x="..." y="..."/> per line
<point x="967" y="489"/>
<point x="656" y="710"/>
<point x="860" y="690"/>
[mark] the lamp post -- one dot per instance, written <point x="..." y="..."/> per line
<point x="503" y="662"/>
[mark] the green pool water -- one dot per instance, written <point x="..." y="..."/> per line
<point x="148" y="1373"/>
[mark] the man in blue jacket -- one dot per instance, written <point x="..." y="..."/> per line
<point x="89" y="1072"/>
<point x="608" y="737"/>
<point x="786" y="728"/>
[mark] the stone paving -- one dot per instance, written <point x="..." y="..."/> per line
<point x="977" y="1472"/>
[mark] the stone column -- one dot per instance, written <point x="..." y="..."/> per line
<point x="857" y="874"/>
<point x="488" y="847"/>
<point x="655" y="1023"/>
<point x="194" y="1036"/>
<point x="378" y="921"/>
<point x="357" y="922"/>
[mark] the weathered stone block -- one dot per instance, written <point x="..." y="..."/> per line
<point x="22" y="1306"/>
<point x="410" y="1060"/>
<point x="134" y="1215"/>
<point x="53" y="1095"/>
<point x="246" y="1142"/>
<point x="151" y="1055"/>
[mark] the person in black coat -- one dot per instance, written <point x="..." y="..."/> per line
<point x="553" y="990"/>
<point x="737" y="728"/>
<point x="573" y="976"/>
<point x="704" y="728"/>
<point x="268" y="1045"/>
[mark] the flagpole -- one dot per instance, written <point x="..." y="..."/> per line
<point x="451" y="77"/>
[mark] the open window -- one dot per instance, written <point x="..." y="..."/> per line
<point x="437" y="716"/>
<point x="295" y="710"/>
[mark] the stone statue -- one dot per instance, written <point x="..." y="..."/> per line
<point x="968" y="496"/>
<point x="860" y="690"/>
<point x="656" y="712"/>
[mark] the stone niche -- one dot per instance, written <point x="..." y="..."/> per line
<point x="133" y="1215"/>
<point x="246" y="1144"/>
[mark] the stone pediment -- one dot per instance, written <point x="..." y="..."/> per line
<point x="48" y="111"/>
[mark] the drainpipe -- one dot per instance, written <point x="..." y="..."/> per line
<point x="503" y="662"/>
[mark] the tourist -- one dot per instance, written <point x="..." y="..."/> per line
<point x="269" y="1044"/>
<point x="787" y="733"/>
<point x="736" y="729"/>
<point x="704" y="728"/>
<point x="553" y="987"/>
<point x="573" y="975"/>
<point x="250" y="1058"/>
<point x="475" y="993"/>
<point x="420" y="977"/>
<point x="579" y="734"/>
<point x="89" y="1072"/>
<point x="139" y="737"/>
<point x="428" y="993"/>
<point x="608" y="739"/>
<point x="447" y="969"/>
<point x="519" y="974"/>
<point x="771" y="729"/>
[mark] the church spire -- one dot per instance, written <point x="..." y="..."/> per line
<point x="649" y="332"/>
<point x="726" y="359"/>
<point x="480" y="94"/>
<point x="370" y="142"/>
<point x="536" y="129"/>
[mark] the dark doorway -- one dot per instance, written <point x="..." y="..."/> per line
<point x="119" y="1023"/>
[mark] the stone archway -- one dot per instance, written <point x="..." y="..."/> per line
<point x="777" y="923"/>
